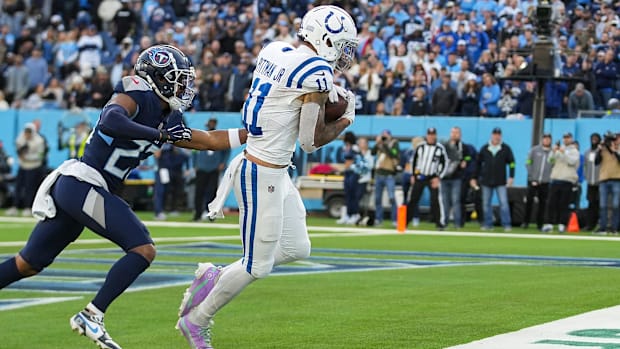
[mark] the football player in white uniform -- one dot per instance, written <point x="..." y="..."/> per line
<point x="286" y="102"/>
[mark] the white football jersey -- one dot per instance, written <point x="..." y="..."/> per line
<point x="272" y="109"/>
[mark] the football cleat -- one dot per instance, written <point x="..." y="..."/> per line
<point x="92" y="327"/>
<point x="207" y="275"/>
<point x="197" y="337"/>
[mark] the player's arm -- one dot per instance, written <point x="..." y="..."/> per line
<point x="115" y="121"/>
<point x="215" y="140"/>
<point x="313" y="131"/>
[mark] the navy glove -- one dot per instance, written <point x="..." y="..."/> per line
<point x="178" y="132"/>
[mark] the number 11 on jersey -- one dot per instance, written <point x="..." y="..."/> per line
<point x="255" y="100"/>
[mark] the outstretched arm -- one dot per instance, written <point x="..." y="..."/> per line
<point x="215" y="140"/>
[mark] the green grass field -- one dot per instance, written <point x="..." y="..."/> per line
<point x="356" y="291"/>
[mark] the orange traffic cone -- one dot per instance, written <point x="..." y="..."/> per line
<point x="573" y="223"/>
<point x="401" y="219"/>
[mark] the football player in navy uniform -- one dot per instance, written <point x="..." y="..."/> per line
<point x="144" y="113"/>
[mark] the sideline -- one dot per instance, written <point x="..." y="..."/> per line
<point x="333" y="232"/>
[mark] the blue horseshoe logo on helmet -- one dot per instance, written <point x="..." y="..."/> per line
<point x="334" y="31"/>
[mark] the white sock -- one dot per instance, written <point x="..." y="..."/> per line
<point x="232" y="281"/>
<point x="94" y="310"/>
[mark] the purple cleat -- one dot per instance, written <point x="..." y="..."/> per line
<point x="197" y="337"/>
<point x="207" y="275"/>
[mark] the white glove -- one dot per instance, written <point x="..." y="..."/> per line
<point x="335" y="92"/>
<point x="350" y="112"/>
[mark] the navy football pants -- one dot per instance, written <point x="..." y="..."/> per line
<point x="80" y="205"/>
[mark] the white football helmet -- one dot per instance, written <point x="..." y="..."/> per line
<point x="332" y="33"/>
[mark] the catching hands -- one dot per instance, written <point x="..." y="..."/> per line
<point x="349" y="114"/>
<point x="335" y="92"/>
<point x="178" y="132"/>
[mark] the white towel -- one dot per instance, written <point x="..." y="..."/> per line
<point x="215" y="206"/>
<point x="43" y="205"/>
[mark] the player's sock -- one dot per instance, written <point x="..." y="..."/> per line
<point x="232" y="281"/>
<point x="122" y="274"/>
<point x="9" y="273"/>
<point x="91" y="308"/>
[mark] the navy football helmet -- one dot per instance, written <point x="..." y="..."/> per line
<point x="170" y="73"/>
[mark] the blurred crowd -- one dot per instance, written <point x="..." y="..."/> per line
<point x="425" y="57"/>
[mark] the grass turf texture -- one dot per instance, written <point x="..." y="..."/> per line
<point x="409" y="308"/>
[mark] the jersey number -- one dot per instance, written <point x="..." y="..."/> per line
<point x="256" y="96"/>
<point x="111" y="164"/>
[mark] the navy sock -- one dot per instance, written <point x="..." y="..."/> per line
<point x="122" y="274"/>
<point x="9" y="273"/>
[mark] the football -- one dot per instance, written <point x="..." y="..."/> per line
<point x="333" y="111"/>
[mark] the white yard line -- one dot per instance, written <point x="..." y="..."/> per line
<point x="333" y="232"/>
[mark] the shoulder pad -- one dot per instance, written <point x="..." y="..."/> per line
<point x="314" y="74"/>
<point x="135" y="83"/>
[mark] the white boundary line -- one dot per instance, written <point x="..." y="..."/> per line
<point x="333" y="232"/>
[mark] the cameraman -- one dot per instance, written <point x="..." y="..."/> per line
<point x="565" y="160"/>
<point x="608" y="158"/>
<point x="387" y="165"/>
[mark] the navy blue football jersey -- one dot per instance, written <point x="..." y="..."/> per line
<point x="114" y="158"/>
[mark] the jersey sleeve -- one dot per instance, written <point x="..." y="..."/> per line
<point x="312" y="75"/>
<point x="135" y="87"/>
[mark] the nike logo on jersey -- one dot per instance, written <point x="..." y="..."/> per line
<point x="135" y="81"/>
<point x="321" y="74"/>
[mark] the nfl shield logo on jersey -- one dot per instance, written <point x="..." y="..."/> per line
<point x="271" y="188"/>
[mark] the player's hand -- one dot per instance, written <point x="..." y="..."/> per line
<point x="349" y="113"/>
<point x="176" y="133"/>
<point x="335" y="92"/>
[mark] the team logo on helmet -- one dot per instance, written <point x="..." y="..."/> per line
<point x="160" y="58"/>
<point x="329" y="29"/>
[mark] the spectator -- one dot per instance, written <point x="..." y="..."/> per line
<point x="67" y="54"/>
<point x="489" y="96"/>
<point x="238" y="86"/>
<point x="101" y="88"/>
<point x="387" y="153"/>
<point x="444" y="98"/>
<point x="54" y="93"/>
<point x="538" y="177"/>
<point x="75" y="141"/>
<point x="37" y="69"/>
<point x="76" y="94"/>
<point x="90" y="46"/>
<point x="370" y="84"/>
<point x="564" y="176"/>
<point x="208" y="166"/>
<point x="470" y="99"/>
<point x="608" y="158"/>
<point x="364" y="164"/>
<point x="591" y="173"/>
<point x="493" y="159"/>
<point x="161" y="13"/>
<point x="451" y="183"/>
<point x="35" y="99"/>
<point x="606" y="73"/>
<point x="169" y="180"/>
<point x="579" y="99"/>
<point x="215" y="94"/>
<point x="17" y="82"/>
<point x="350" y="211"/>
<point x="419" y="105"/>
<point x="429" y="165"/>
<point x="31" y="154"/>
<point x="125" y="21"/>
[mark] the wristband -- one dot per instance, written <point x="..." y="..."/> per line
<point x="233" y="137"/>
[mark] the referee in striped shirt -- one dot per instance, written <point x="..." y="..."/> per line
<point x="429" y="165"/>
